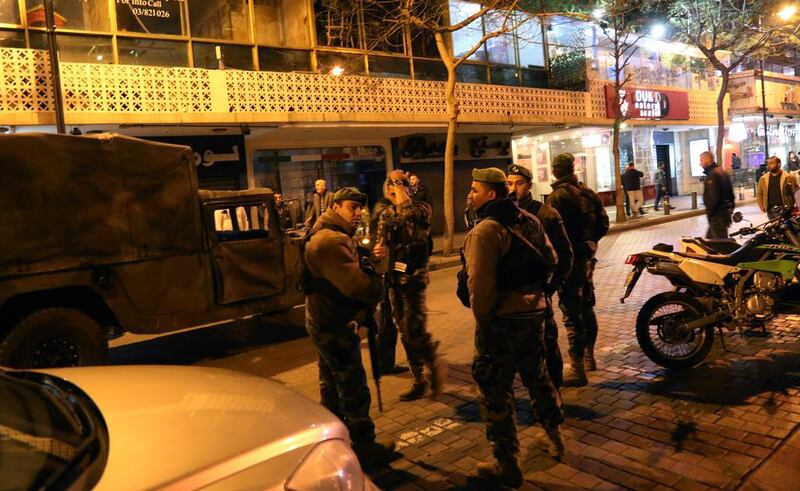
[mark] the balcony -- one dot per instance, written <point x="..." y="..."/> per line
<point x="782" y="94"/>
<point x="117" y="94"/>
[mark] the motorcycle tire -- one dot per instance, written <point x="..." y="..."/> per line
<point x="644" y="336"/>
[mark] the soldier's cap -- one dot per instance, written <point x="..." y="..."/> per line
<point x="564" y="161"/>
<point x="518" y="170"/>
<point x="350" y="194"/>
<point x="490" y="174"/>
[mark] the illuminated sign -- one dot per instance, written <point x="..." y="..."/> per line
<point x="639" y="103"/>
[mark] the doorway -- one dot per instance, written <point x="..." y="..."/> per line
<point x="663" y="156"/>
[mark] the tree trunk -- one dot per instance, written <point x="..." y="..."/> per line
<point x="620" y="193"/>
<point x="449" y="158"/>
<point x="723" y="90"/>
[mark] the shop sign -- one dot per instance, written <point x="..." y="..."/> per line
<point x="772" y="129"/>
<point x="149" y="16"/>
<point x="639" y="103"/>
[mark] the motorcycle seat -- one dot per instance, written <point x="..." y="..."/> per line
<point x="723" y="246"/>
<point x="739" y="255"/>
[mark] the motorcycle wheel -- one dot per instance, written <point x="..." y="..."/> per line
<point x="661" y="337"/>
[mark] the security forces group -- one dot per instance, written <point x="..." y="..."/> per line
<point x="516" y="255"/>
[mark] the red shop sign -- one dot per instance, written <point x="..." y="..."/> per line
<point x="639" y="103"/>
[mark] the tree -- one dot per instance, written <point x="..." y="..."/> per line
<point x="727" y="32"/>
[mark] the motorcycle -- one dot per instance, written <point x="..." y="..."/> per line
<point x="720" y="284"/>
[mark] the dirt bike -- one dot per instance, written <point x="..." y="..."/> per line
<point x="717" y="284"/>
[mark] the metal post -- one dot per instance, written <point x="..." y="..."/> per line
<point x="764" y="110"/>
<point x="665" y="204"/>
<point x="694" y="200"/>
<point x="54" y="71"/>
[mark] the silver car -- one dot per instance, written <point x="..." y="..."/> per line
<point x="167" y="427"/>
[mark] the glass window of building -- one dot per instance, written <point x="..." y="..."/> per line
<point x="471" y="73"/>
<point x="423" y="44"/>
<point x="504" y="75"/>
<point x="337" y="25"/>
<point x="83" y="49"/>
<point x="380" y="34"/>
<point x="530" y="45"/>
<point x="231" y="56"/>
<point x="91" y="15"/>
<point x="9" y="12"/>
<point x="389" y="66"/>
<point x="12" y="39"/>
<point x="350" y="63"/>
<point x="219" y="19"/>
<point x="284" y="60"/>
<point x="152" y="52"/>
<point x="500" y="49"/>
<point x="429" y="70"/>
<point x="534" y="78"/>
<point x="282" y="23"/>
<point x="467" y="37"/>
<point x="164" y="17"/>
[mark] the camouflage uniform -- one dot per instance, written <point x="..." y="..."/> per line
<point x="404" y="228"/>
<point x="339" y="291"/>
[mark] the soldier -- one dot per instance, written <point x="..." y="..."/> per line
<point x="586" y="222"/>
<point x="402" y="236"/>
<point x="519" y="184"/>
<point x="509" y="316"/>
<point x="338" y="290"/>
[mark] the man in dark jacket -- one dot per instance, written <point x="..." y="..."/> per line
<point x="632" y="182"/>
<point x="519" y="184"/>
<point x="586" y="222"/>
<point x="338" y="292"/>
<point x="321" y="200"/>
<point x="418" y="191"/>
<point x="717" y="196"/>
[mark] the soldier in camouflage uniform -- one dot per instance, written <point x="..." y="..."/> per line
<point x="338" y="290"/>
<point x="509" y="331"/>
<point x="519" y="184"/>
<point x="403" y="230"/>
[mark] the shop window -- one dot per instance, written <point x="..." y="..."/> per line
<point x="282" y="23"/>
<point x="205" y="56"/>
<point x="504" y="75"/>
<point x="337" y="24"/>
<point x="429" y="70"/>
<point x="219" y="19"/>
<point x="471" y="73"/>
<point x="9" y="13"/>
<point x="351" y="64"/>
<point x="79" y="49"/>
<point x="284" y="60"/>
<point x="387" y="66"/>
<point x="152" y="52"/>
<point x="467" y="37"/>
<point x="164" y="17"/>
<point x="68" y="14"/>
<point x="12" y="39"/>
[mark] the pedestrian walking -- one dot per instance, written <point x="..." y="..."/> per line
<point x="736" y="162"/>
<point x="403" y="229"/>
<point x="718" y="197"/>
<point x="586" y="223"/>
<point x="338" y="291"/>
<point x="321" y="200"/>
<point x="793" y="161"/>
<point x="632" y="179"/>
<point x="660" y="181"/>
<point x="775" y="189"/>
<point x="519" y="185"/>
<point x="508" y="303"/>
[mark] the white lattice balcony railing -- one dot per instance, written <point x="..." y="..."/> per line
<point x="108" y="94"/>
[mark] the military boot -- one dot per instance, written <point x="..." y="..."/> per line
<point x="375" y="452"/>
<point x="505" y="472"/>
<point x="438" y="375"/>
<point x="588" y="359"/>
<point x="555" y="445"/>
<point x="418" y="388"/>
<point x="576" y="375"/>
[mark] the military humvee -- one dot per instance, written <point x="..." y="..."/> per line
<point x="107" y="234"/>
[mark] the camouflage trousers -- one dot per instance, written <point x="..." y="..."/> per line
<point x="410" y="315"/>
<point x="342" y="378"/>
<point x="552" y="353"/>
<point x="576" y="301"/>
<point x="502" y="349"/>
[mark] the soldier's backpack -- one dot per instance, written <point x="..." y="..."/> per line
<point x="594" y="219"/>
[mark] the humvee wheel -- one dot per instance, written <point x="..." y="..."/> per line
<point x="54" y="337"/>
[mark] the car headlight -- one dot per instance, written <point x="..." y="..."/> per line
<point x="330" y="465"/>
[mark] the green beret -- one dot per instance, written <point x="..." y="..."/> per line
<point x="518" y="170"/>
<point x="490" y="174"/>
<point x="350" y="194"/>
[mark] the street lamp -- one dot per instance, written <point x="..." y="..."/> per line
<point x="787" y="12"/>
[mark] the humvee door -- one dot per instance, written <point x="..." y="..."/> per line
<point x="246" y="249"/>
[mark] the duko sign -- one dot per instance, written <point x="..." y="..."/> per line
<point x="643" y="103"/>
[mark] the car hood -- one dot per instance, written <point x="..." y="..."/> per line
<point x="186" y="427"/>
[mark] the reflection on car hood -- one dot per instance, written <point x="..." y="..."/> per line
<point x="196" y="424"/>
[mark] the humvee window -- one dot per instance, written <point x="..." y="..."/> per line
<point x="241" y="222"/>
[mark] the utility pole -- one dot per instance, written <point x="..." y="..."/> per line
<point x="54" y="71"/>
<point x="764" y="110"/>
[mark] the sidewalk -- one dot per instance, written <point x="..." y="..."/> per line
<point x="682" y="209"/>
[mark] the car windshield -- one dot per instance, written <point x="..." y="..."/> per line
<point x="51" y="434"/>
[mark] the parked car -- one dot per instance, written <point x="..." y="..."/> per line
<point x="167" y="427"/>
<point x="107" y="234"/>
